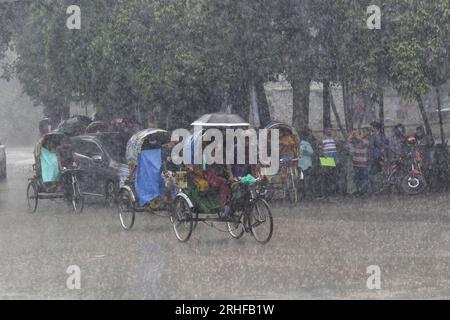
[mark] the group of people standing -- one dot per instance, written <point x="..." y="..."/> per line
<point x="357" y="160"/>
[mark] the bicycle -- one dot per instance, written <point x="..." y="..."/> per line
<point x="37" y="190"/>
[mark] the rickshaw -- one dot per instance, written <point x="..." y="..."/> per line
<point x="149" y="188"/>
<point x="289" y="178"/>
<point x="46" y="184"/>
<point x="198" y="202"/>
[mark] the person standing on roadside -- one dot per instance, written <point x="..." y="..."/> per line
<point x="377" y="150"/>
<point x="397" y="143"/>
<point x="305" y="162"/>
<point x="358" y="144"/>
<point x="328" y="176"/>
<point x="425" y="145"/>
<point x="315" y="173"/>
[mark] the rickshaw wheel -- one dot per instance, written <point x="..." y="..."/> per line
<point x="236" y="228"/>
<point x="125" y="208"/>
<point x="291" y="188"/>
<point x="109" y="194"/>
<point x="301" y="189"/>
<point x="32" y="197"/>
<point x="195" y="223"/>
<point x="77" y="199"/>
<point x="260" y="218"/>
<point x="182" y="221"/>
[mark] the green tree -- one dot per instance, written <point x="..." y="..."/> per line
<point x="418" y="48"/>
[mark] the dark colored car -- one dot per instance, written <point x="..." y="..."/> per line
<point x="101" y="158"/>
<point x="2" y="162"/>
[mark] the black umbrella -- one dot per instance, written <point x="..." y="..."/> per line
<point x="75" y="125"/>
<point x="220" y="120"/>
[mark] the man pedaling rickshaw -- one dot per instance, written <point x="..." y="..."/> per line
<point x="214" y="176"/>
<point x="239" y="205"/>
<point x="287" y="145"/>
<point x="223" y="176"/>
<point x="66" y="160"/>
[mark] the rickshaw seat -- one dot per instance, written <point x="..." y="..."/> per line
<point x="205" y="201"/>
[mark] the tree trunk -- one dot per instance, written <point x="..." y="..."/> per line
<point x="264" y="111"/>
<point x="65" y="111"/>
<point x="225" y="102"/>
<point x="424" y="116"/>
<point x="351" y="107"/>
<point x="441" y="122"/>
<point x="338" y="118"/>
<point x="326" y="105"/>
<point x="348" y="114"/>
<point x="381" y="107"/>
<point x="239" y="100"/>
<point x="167" y="120"/>
<point x="54" y="115"/>
<point x="254" y="107"/>
<point x="300" y="103"/>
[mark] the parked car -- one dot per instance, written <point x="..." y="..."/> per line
<point x="101" y="158"/>
<point x="3" y="173"/>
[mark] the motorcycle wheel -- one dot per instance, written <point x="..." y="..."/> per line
<point x="413" y="184"/>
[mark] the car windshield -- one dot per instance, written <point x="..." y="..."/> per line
<point x="115" y="146"/>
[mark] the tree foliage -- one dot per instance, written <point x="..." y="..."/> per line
<point x="180" y="59"/>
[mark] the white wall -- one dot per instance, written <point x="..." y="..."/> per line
<point x="279" y="96"/>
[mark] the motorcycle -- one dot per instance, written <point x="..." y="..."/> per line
<point x="406" y="174"/>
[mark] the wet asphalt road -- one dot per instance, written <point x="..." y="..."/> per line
<point x="318" y="250"/>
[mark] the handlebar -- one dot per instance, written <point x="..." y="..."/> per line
<point x="286" y="162"/>
<point x="257" y="179"/>
<point x="70" y="170"/>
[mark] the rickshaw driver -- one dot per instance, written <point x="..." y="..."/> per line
<point x="237" y="170"/>
<point x="66" y="160"/>
<point x="168" y="171"/>
<point x="219" y="176"/>
<point x="287" y="145"/>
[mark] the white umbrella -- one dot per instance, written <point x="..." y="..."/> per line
<point x="220" y="120"/>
